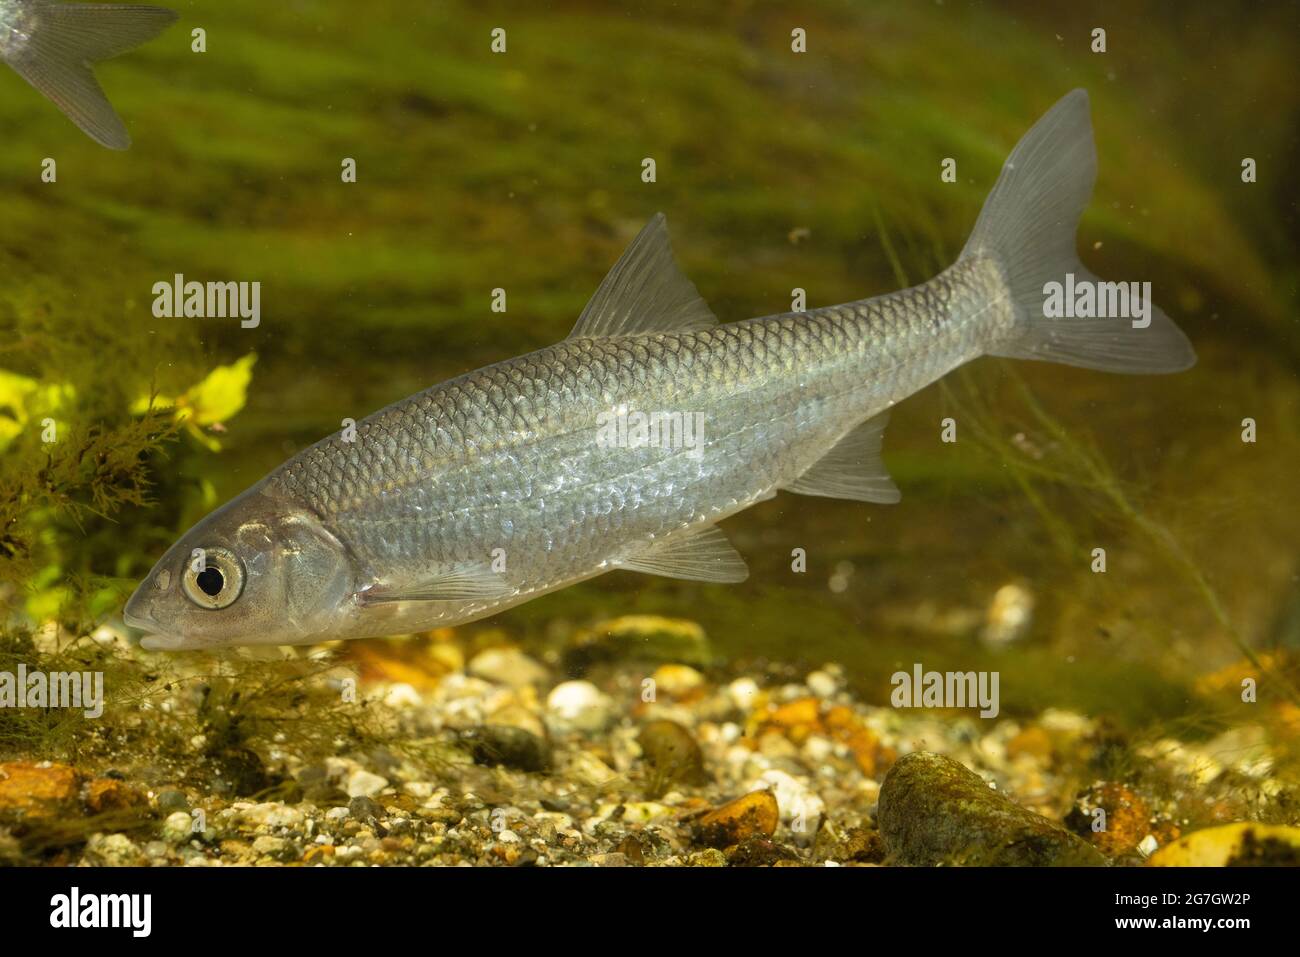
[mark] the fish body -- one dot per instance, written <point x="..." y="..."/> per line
<point x="500" y="485"/>
<point x="53" y="46"/>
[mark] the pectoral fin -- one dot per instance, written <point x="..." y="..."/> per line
<point x="465" y="582"/>
<point x="704" y="556"/>
<point x="852" y="468"/>
<point x="645" y="292"/>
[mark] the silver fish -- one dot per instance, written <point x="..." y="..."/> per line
<point x="506" y="483"/>
<point x="54" y="46"/>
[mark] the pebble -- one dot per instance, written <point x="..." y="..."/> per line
<point x="677" y="680"/>
<point x="402" y="695"/>
<point x="170" y="801"/>
<point x="31" y="791"/>
<point x="178" y="828"/>
<point x="751" y="815"/>
<point x="509" y="747"/>
<point x="672" y="755"/>
<point x="1009" y="615"/>
<point x="276" y="848"/>
<point x="640" y="638"/>
<point x="106" y="794"/>
<point x="507" y="666"/>
<point x="1126" y="817"/>
<point x="759" y="852"/>
<point x="744" y="693"/>
<point x="363" y="783"/>
<point x="801" y="808"/>
<point x="577" y="706"/>
<point x="113" y="850"/>
<point x="269" y="815"/>
<point x="587" y="769"/>
<point x="363" y="809"/>
<point x="822" y="684"/>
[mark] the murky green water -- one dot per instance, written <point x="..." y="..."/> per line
<point x="776" y="170"/>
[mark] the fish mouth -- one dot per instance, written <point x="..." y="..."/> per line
<point x="138" y="611"/>
<point x="137" y="615"/>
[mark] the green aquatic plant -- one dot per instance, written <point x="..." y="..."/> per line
<point x="245" y="710"/>
<point x="1064" y="458"/>
<point x="59" y="499"/>
<point x="204" y="409"/>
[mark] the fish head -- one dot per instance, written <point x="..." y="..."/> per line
<point x="254" y="572"/>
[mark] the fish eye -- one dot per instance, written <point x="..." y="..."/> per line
<point x="218" y="583"/>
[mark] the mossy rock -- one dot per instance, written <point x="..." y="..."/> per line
<point x="934" y="811"/>
<point x="649" y="638"/>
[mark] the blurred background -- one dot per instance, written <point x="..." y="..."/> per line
<point x="776" y="170"/>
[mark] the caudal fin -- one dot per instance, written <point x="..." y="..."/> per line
<point x="1028" y="225"/>
<point x="65" y="40"/>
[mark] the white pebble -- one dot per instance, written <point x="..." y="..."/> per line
<point x="402" y="695"/>
<point x="178" y="828"/>
<point x="801" y="808"/>
<point x="577" y="706"/>
<point x="743" y="692"/>
<point x="821" y="684"/>
<point x="362" y="783"/>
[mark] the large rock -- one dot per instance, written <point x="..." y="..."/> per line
<point x="935" y="811"/>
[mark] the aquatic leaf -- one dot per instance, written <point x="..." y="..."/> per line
<point x="223" y="393"/>
<point x="14" y="392"/>
<point x="24" y="399"/>
<point x="212" y="402"/>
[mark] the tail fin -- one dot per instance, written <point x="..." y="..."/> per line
<point x="66" y="39"/>
<point x="1028" y="225"/>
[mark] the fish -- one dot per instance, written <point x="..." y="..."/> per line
<point x="507" y="483"/>
<point x="54" y="47"/>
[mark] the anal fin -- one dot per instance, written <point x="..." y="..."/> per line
<point x="853" y="468"/>
<point x="704" y="556"/>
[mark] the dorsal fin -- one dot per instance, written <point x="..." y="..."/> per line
<point x="645" y="292"/>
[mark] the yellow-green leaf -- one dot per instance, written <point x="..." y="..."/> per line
<point x="222" y="393"/>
